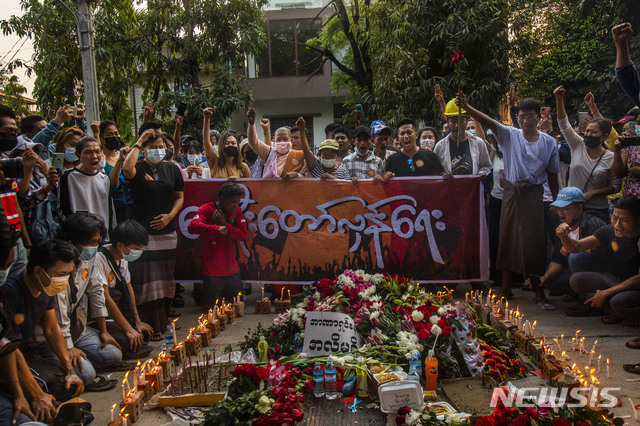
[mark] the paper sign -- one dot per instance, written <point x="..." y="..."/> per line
<point x="329" y="332"/>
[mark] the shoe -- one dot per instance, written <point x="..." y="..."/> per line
<point x="143" y="352"/>
<point x="101" y="384"/>
<point x="582" y="310"/>
<point x="544" y="304"/>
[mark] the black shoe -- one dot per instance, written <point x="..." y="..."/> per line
<point x="582" y="310"/>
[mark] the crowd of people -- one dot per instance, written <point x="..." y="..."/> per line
<point x="88" y="272"/>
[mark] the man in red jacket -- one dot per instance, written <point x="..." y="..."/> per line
<point x="220" y="224"/>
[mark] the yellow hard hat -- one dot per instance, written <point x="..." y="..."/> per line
<point x="452" y="109"/>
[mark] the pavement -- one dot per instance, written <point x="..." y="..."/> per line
<point x="551" y="324"/>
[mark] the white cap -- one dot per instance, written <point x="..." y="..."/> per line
<point x="24" y="143"/>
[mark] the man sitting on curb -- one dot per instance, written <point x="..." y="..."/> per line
<point x="619" y="283"/>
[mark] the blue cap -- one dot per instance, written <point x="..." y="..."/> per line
<point x="568" y="195"/>
<point x="378" y="127"/>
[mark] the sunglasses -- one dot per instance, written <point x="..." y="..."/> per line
<point x="412" y="166"/>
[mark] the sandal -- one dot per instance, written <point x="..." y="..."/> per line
<point x="612" y="319"/>
<point x="100" y="384"/>
<point x="174" y="314"/>
<point x="544" y="304"/>
<point x="631" y="322"/>
<point x="157" y="337"/>
<point x="631" y="368"/>
<point x="633" y="343"/>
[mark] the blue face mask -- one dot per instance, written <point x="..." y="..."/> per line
<point x="472" y="132"/>
<point x="70" y="155"/>
<point x="155" y="156"/>
<point x="194" y="159"/>
<point x="88" y="253"/>
<point x="133" y="255"/>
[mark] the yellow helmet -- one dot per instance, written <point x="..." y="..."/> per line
<point x="452" y="109"/>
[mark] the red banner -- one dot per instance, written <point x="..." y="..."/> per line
<point x="307" y="229"/>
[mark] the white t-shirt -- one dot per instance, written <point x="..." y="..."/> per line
<point x="107" y="272"/>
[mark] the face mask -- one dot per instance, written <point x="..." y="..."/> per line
<point x="426" y="142"/>
<point x="193" y="159"/>
<point x="638" y="129"/>
<point x="329" y="164"/>
<point x="102" y="163"/>
<point x="251" y="156"/>
<point x="231" y="151"/>
<point x="88" y="253"/>
<point x="70" y="155"/>
<point x="156" y="155"/>
<point x="113" y="143"/>
<point x="3" y="276"/>
<point x="133" y="255"/>
<point x="8" y="141"/>
<point x="472" y="132"/>
<point x="57" y="286"/>
<point x="592" y="141"/>
<point x="283" y="147"/>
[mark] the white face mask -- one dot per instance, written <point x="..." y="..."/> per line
<point x="427" y="142"/>
<point x="329" y="163"/>
<point x="102" y="163"/>
<point x="156" y="155"/>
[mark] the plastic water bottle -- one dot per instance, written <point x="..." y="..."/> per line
<point x="413" y="374"/>
<point x="297" y="343"/>
<point x="415" y="361"/>
<point x="318" y="378"/>
<point x="330" y="385"/>
<point x="168" y="338"/>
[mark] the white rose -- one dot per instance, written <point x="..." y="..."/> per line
<point x="264" y="400"/>
<point x="436" y="330"/>
<point x="434" y="319"/>
<point x="417" y="316"/>
<point x="442" y="311"/>
<point x="374" y="314"/>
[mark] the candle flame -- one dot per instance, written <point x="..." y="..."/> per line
<point x="138" y="364"/>
<point x="534" y="323"/>
<point x="600" y="356"/>
<point x="114" y="406"/>
<point x="176" y="319"/>
<point x="607" y="361"/>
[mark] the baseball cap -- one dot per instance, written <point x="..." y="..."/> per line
<point x="379" y="128"/>
<point x="329" y="144"/>
<point x="186" y="138"/>
<point x="568" y="195"/>
<point x="360" y="130"/>
<point x="22" y="142"/>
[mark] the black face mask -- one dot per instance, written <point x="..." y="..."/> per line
<point x="113" y="143"/>
<point x="251" y="156"/>
<point x="231" y="151"/>
<point x="592" y="141"/>
<point x="8" y="141"/>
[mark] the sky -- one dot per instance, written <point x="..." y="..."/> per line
<point x="12" y="45"/>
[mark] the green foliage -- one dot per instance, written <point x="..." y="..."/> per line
<point x="167" y="48"/>
<point x="12" y="93"/>
<point x="569" y="42"/>
<point x="393" y="52"/>
<point x="234" y="411"/>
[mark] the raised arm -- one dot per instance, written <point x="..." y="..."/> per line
<point x="479" y="117"/>
<point x="259" y="147"/>
<point x="590" y="100"/>
<point x="177" y="133"/>
<point x="308" y="155"/>
<point x="573" y="139"/>
<point x="621" y="34"/>
<point x="266" y="130"/>
<point x="619" y="160"/>
<point x="209" y="153"/>
<point x="114" y="175"/>
<point x="437" y="93"/>
<point x="129" y="166"/>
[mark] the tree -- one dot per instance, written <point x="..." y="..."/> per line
<point x="391" y="53"/>
<point x="12" y="93"/>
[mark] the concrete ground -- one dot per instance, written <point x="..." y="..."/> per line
<point x="611" y="339"/>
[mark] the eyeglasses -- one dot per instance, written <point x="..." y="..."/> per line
<point x="412" y="166"/>
<point x="527" y="117"/>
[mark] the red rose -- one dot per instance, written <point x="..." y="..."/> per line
<point x="423" y="335"/>
<point x="521" y="420"/>
<point x="446" y="330"/>
<point x="561" y="422"/>
<point x="485" y="421"/>
<point x="250" y="370"/>
<point x="433" y="310"/>
<point x="400" y="420"/>
<point x="238" y="371"/>
<point x="297" y="415"/>
<point x="403" y="411"/>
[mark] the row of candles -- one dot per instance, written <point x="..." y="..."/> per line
<point x="281" y="294"/>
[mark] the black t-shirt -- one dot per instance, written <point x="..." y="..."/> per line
<point x="623" y="252"/>
<point x="424" y="163"/>
<point x="152" y="190"/>
<point x="461" y="163"/>
<point x="25" y="310"/>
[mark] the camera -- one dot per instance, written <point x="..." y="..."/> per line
<point x="630" y="141"/>
<point x="12" y="167"/>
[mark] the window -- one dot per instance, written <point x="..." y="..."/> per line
<point x="285" y="54"/>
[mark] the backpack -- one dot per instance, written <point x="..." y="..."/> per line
<point x="44" y="223"/>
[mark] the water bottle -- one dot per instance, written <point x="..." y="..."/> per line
<point x="168" y="338"/>
<point x="413" y="374"/>
<point x="297" y="343"/>
<point x="318" y="378"/>
<point x="415" y="361"/>
<point x="330" y="386"/>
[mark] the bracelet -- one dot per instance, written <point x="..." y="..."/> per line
<point x="137" y="146"/>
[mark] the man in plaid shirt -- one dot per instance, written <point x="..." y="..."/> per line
<point x="363" y="164"/>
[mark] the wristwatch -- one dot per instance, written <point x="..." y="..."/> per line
<point x="137" y="146"/>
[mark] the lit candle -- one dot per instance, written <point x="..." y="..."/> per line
<point x="262" y="294"/>
<point x="125" y="420"/>
<point x="112" y="411"/>
<point x="562" y="339"/>
<point x="593" y="349"/>
<point x="607" y="368"/>
<point x="533" y="329"/>
<point x="124" y="393"/>
<point x="136" y="373"/>
<point x="557" y="344"/>
<point x="577" y="334"/>
<point x="173" y="329"/>
<point x="599" y="358"/>
<point x="282" y="294"/>
<point x="288" y="294"/>
<point x="591" y="355"/>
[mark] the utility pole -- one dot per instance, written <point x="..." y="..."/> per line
<point x="87" y="50"/>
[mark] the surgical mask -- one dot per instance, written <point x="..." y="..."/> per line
<point x="3" y="276"/>
<point x="113" y="143"/>
<point x="283" y="147"/>
<point x="70" y="155"/>
<point x="251" y="156"/>
<point x="133" y="255"/>
<point x="231" y="151"/>
<point x="427" y="143"/>
<point x="472" y="132"/>
<point x="57" y="286"/>
<point x="329" y="163"/>
<point x="102" y="163"/>
<point x="156" y="155"/>
<point x="88" y="253"/>
<point x="194" y="159"/>
<point x="638" y="129"/>
<point x="592" y="141"/>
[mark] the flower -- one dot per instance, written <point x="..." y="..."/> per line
<point x="561" y="422"/>
<point x="485" y="421"/>
<point x="458" y="56"/>
<point x="403" y="411"/>
<point x="521" y="420"/>
<point x="436" y="330"/>
<point x="417" y="316"/>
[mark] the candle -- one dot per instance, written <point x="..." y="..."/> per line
<point x="125" y="420"/>
<point x="599" y="358"/>
<point x="533" y="329"/>
<point x="562" y="339"/>
<point x="262" y="294"/>
<point x="577" y="334"/>
<point x="591" y="355"/>
<point x="282" y="294"/>
<point x="288" y="294"/>
<point x="173" y="330"/>
<point x="607" y="368"/>
<point x="136" y="373"/>
<point x="633" y="407"/>
<point x="112" y="411"/>
<point x="124" y="393"/>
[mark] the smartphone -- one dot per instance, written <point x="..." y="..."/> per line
<point x="182" y="108"/>
<point x="57" y="162"/>
<point x="583" y="117"/>
<point x="74" y="111"/>
<point x="546" y="111"/>
<point x="360" y="110"/>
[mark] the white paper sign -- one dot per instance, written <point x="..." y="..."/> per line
<point x="329" y="332"/>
